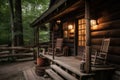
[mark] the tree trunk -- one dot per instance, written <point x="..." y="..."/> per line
<point x="12" y="23"/>
<point x="18" y="29"/>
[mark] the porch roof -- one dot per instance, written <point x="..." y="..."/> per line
<point x="47" y="12"/>
<point x="54" y="12"/>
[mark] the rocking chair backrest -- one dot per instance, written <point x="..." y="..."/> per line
<point x="105" y="45"/>
<point x="104" y="49"/>
<point x="59" y="43"/>
<point x="101" y="55"/>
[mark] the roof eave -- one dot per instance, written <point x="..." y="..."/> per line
<point x="47" y="12"/>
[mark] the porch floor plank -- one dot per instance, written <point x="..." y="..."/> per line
<point x="52" y="74"/>
<point x="63" y="73"/>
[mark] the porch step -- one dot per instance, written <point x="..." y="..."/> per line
<point x="53" y="75"/>
<point x="31" y="75"/>
<point x="63" y="73"/>
<point x="80" y="75"/>
<point x="71" y="70"/>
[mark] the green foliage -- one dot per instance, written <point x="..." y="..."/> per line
<point x="44" y="34"/>
<point x="4" y="22"/>
<point x="31" y="9"/>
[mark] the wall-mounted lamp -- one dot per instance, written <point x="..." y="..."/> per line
<point x="93" y="22"/>
<point x="70" y="27"/>
<point x="58" y="21"/>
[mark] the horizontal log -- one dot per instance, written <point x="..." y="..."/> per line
<point x="113" y="59"/>
<point x="114" y="50"/>
<point x="109" y="13"/>
<point x="113" y="54"/>
<point x="16" y="55"/>
<point x="117" y="66"/>
<point x="4" y="45"/>
<point x="106" y="33"/>
<point x="96" y="47"/>
<point x="109" y="17"/>
<point x="96" y="41"/>
<point x="107" y="25"/>
<point x="106" y="5"/>
<point x="113" y="41"/>
<point x="15" y="48"/>
<point x="4" y="52"/>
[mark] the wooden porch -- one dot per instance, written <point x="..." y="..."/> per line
<point x="71" y="64"/>
<point x="74" y="61"/>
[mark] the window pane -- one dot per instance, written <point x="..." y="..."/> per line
<point x="81" y="32"/>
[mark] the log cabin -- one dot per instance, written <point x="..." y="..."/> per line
<point x="83" y="24"/>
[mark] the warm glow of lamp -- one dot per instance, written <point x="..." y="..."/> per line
<point x="94" y="27"/>
<point x="93" y="22"/>
<point x="72" y="30"/>
<point x="70" y="27"/>
<point x="58" y="21"/>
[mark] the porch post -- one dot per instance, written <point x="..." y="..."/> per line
<point x="37" y="40"/>
<point x="76" y="38"/>
<point x="34" y="37"/>
<point x="88" y="37"/>
<point x="52" y="25"/>
<point x="53" y="44"/>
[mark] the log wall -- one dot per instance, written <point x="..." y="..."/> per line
<point x="108" y="19"/>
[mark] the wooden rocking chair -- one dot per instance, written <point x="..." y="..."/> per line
<point x="100" y="56"/>
<point x="58" y="47"/>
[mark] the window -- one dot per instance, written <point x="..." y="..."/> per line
<point x="68" y="30"/>
<point x="65" y="30"/>
<point x="81" y="32"/>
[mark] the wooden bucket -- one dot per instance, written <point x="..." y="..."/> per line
<point x="42" y="63"/>
<point x="40" y="71"/>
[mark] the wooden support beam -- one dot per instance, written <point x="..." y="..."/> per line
<point x="15" y="48"/>
<point x="53" y="24"/>
<point x="76" y="38"/>
<point x="88" y="37"/>
<point x="53" y="45"/>
<point x="34" y="37"/>
<point x="37" y="40"/>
